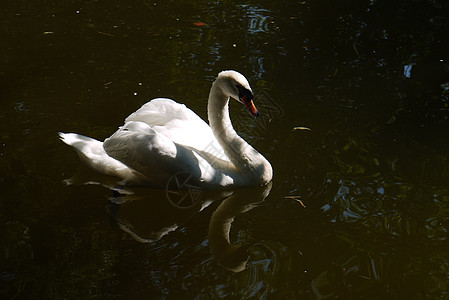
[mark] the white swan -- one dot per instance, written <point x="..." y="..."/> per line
<point x="164" y="138"/>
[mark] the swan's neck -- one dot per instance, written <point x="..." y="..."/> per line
<point x="247" y="161"/>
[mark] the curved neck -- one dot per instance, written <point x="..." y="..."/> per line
<point x="248" y="162"/>
<point x="218" y="113"/>
<point x="232" y="256"/>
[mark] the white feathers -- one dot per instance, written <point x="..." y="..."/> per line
<point x="164" y="138"/>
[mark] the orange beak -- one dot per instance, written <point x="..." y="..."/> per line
<point x="246" y="99"/>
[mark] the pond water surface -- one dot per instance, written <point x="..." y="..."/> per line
<point x="354" y="104"/>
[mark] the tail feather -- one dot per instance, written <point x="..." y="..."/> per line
<point x="84" y="145"/>
<point x="92" y="153"/>
<point x="72" y="138"/>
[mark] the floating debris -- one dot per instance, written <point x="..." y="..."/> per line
<point x="302" y="128"/>
<point x="297" y="199"/>
<point x="198" y="24"/>
<point x="104" y="33"/>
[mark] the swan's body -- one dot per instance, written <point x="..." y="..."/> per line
<point x="164" y="138"/>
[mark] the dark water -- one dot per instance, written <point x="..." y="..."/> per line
<point x="370" y="79"/>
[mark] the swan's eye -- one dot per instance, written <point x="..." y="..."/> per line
<point x="244" y="92"/>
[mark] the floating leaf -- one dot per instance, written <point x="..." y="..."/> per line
<point x="199" y="24"/>
<point x="302" y="128"/>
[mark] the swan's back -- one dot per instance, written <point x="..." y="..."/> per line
<point x="178" y="123"/>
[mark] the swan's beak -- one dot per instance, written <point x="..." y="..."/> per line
<point x="248" y="101"/>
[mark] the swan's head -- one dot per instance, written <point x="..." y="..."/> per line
<point x="236" y="86"/>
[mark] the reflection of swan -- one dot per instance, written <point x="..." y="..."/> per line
<point x="148" y="221"/>
<point x="149" y="215"/>
<point x="233" y="256"/>
<point x="164" y="138"/>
